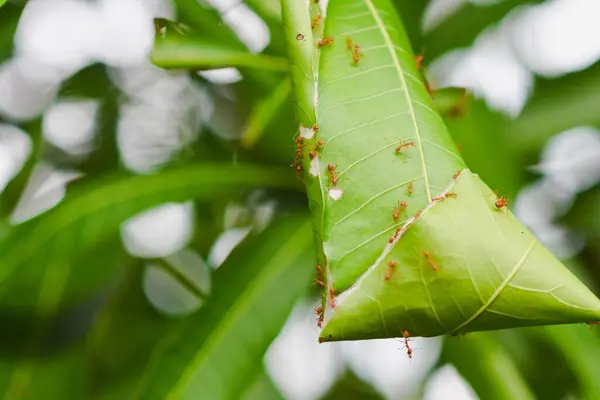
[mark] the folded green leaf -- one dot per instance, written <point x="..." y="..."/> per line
<point x="407" y="242"/>
<point x="214" y="353"/>
<point x="464" y="265"/>
<point x="197" y="54"/>
<point x="93" y="214"/>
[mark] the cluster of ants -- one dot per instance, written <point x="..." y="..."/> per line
<point x="320" y="280"/>
<point x="500" y="202"/>
<point x="297" y="164"/>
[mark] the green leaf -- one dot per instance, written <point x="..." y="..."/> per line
<point x="199" y="54"/>
<point x="264" y="112"/>
<point x="365" y="112"/>
<point x="301" y="50"/>
<point x="462" y="266"/>
<point x="382" y="154"/>
<point x="215" y="352"/>
<point x="489" y="369"/>
<point x="94" y="213"/>
<point x="2" y="3"/>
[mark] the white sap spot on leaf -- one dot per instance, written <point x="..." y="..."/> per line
<point x="306" y="133"/>
<point x="314" y="167"/>
<point x="336" y="194"/>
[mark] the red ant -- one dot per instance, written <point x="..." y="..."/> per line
<point x="410" y="188"/>
<point x="409" y="351"/>
<point x="501" y="202"/>
<point x="319" y="281"/>
<point x="428" y="257"/>
<point x="439" y="198"/>
<point x="313" y="152"/>
<point x="349" y="43"/>
<point x="315" y="128"/>
<point x="320" y="321"/>
<point x="356" y="54"/>
<point x="319" y="310"/>
<point x="451" y="194"/>
<point x="325" y="42"/>
<point x="319" y="270"/>
<point x="456" y="174"/>
<point x="405" y="146"/>
<point x="418" y="214"/>
<point x="332" y="295"/>
<point x="391" y="265"/>
<point x="401" y="207"/>
<point x="419" y="60"/>
<point x="315" y="22"/>
<point x="334" y="176"/>
<point x="395" y="235"/>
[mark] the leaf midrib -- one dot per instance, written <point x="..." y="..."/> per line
<point x="499" y="290"/>
<point x="390" y="46"/>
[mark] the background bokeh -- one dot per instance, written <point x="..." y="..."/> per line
<point x="79" y="96"/>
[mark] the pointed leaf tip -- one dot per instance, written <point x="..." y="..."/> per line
<point x="464" y="265"/>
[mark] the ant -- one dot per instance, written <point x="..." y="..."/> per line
<point x="419" y="60"/>
<point x="395" y="235"/>
<point x="325" y="42"/>
<point x="451" y="194"/>
<point x="349" y="43"/>
<point x="439" y="198"/>
<point x="405" y="146"/>
<point x="456" y="175"/>
<point x="401" y="207"/>
<point x="410" y="188"/>
<point x="319" y="281"/>
<point x="391" y="265"/>
<point x="319" y="270"/>
<point x="313" y="152"/>
<point x="356" y="54"/>
<point x="315" y="22"/>
<point x="332" y="295"/>
<point x="315" y="128"/>
<point x="334" y="175"/>
<point x="319" y="310"/>
<point x="409" y="351"/>
<point x="501" y="202"/>
<point x="428" y="257"/>
<point x="320" y="321"/>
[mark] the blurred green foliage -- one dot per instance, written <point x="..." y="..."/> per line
<point x="76" y="320"/>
